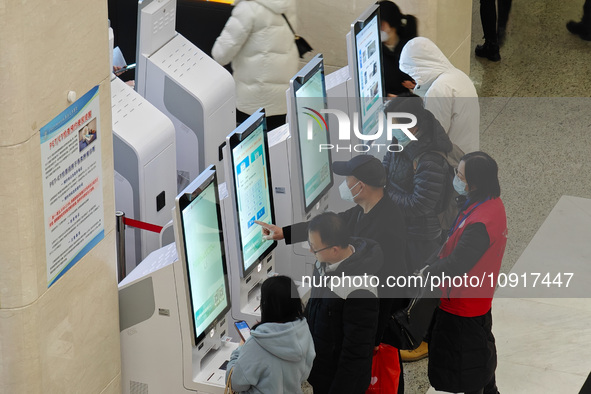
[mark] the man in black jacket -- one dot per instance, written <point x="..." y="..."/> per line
<point x="374" y="217"/>
<point x="342" y="315"/>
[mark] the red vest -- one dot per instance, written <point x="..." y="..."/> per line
<point x="474" y="296"/>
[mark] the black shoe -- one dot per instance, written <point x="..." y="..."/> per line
<point x="579" y="29"/>
<point x="489" y="51"/>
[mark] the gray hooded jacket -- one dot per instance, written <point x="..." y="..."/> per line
<point x="276" y="359"/>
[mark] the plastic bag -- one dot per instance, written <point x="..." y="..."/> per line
<point x="385" y="371"/>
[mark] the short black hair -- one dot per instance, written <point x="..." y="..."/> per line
<point x="280" y="302"/>
<point x="331" y="228"/>
<point x="482" y="172"/>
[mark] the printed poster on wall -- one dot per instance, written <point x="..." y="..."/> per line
<point x="72" y="184"/>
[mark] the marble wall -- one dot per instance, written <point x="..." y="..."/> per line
<point x="325" y="23"/>
<point x="64" y="338"/>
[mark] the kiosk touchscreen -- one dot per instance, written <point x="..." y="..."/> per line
<point x="309" y="131"/>
<point x="174" y="331"/>
<point x="302" y="171"/>
<point x="365" y="64"/>
<point x="202" y="250"/>
<point x="250" y="198"/>
<point x="251" y="176"/>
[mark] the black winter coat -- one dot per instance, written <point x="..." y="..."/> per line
<point x="343" y="329"/>
<point x="384" y="223"/>
<point x="393" y="77"/>
<point x="419" y="193"/>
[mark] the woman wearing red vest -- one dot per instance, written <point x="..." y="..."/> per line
<point x="462" y="352"/>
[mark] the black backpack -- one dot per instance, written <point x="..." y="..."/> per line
<point x="446" y="208"/>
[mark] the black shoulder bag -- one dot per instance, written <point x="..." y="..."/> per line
<point x="301" y="43"/>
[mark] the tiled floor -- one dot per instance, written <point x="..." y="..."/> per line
<point x="536" y="122"/>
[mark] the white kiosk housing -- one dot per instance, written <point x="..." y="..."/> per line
<point x="194" y="91"/>
<point x="173" y="310"/>
<point x="250" y="198"/>
<point x="145" y="168"/>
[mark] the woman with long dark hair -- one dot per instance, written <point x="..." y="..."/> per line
<point x="396" y="30"/>
<point x="278" y="356"/>
<point x="462" y="352"/>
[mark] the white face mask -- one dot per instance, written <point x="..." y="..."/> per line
<point x="346" y="192"/>
<point x="460" y="186"/>
<point x="384" y="36"/>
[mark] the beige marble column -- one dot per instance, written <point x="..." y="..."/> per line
<point x="62" y="339"/>
<point x="325" y="23"/>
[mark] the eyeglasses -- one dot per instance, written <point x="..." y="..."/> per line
<point x="319" y="250"/>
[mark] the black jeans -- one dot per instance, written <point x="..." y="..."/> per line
<point x="488" y="17"/>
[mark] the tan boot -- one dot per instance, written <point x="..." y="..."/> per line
<point x="415" y="355"/>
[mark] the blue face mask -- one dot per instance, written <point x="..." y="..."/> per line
<point x="402" y="138"/>
<point x="460" y="186"/>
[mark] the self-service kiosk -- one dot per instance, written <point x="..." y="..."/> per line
<point x="302" y="165"/>
<point x="174" y="305"/>
<point x="145" y="167"/>
<point x="357" y="91"/>
<point x="194" y="91"/>
<point x="250" y="198"/>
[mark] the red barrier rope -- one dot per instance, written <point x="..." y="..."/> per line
<point x="142" y="225"/>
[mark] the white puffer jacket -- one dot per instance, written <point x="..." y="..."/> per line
<point x="448" y="93"/>
<point x="260" y="46"/>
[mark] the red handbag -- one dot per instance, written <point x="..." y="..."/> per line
<point x="385" y="371"/>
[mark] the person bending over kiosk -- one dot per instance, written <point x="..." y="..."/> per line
<point x="278" y="356"/>
<point x="374" y="217"/>
<point x="448" y="92"/>
<point x="343" y="319"/>
<point x="463" y="355"/>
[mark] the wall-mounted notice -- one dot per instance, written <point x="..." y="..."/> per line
<point x="72" y="184"/>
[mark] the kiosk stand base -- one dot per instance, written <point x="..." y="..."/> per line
<point x="157" y="355"/>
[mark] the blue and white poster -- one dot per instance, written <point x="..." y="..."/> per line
<point x="72" y="184"/>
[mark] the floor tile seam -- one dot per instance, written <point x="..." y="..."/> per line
<point x="498" y="113"/>
<point x="535" y="300"/>
<point x="546" y="369"/>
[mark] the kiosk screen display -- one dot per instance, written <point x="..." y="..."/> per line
<point x="369" y="80"/>
<point x="252" y="189"/>
<point x="309" y="91"/>
<point x="203" y="243"/>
